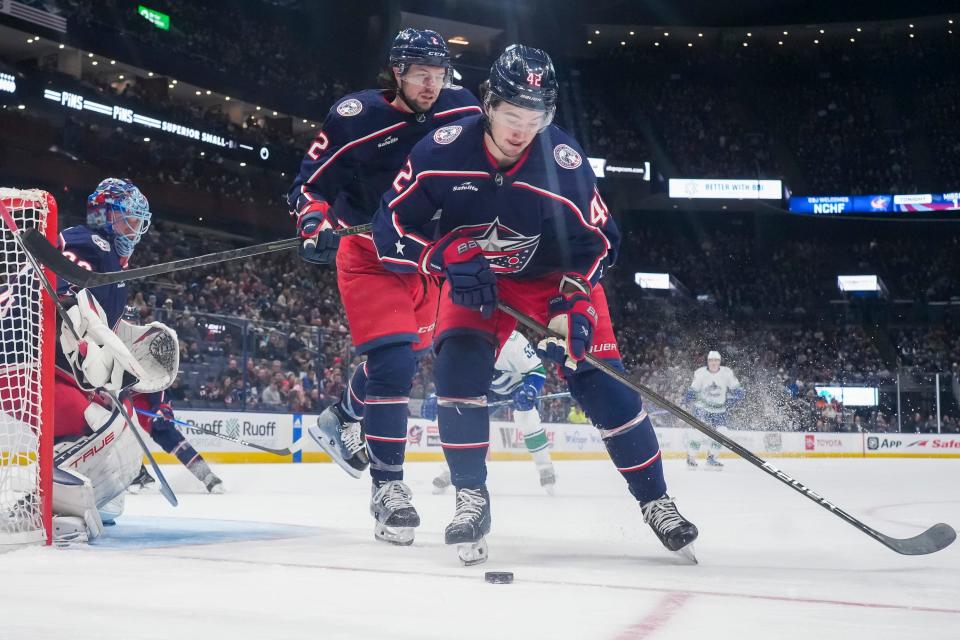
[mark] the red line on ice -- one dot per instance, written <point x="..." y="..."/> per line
<point x="662" y="612"/>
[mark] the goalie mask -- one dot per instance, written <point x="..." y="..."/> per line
<point x="117" y="208"/>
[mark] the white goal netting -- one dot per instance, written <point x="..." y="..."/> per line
<point x="27" y="338"/>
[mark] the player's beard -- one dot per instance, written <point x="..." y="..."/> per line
<point x="422" y="99"/>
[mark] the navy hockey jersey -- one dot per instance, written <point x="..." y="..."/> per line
<point x="363" y="141"/>
<point x="96" y="253"/>
<point x="543" y="215"/>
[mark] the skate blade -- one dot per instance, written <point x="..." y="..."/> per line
<point x="332" y="449"/>
<point x="473" y="553"/>
<point x="550" y="489"/>
<point x="400" y="536"/>
<point x="688" y="553"/>
<point x="713" y="468"/>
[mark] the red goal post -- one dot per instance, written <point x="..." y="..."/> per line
<point x="27" y="349"/>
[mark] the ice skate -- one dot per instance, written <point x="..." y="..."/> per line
<point x="201" y="470"/>
<point x="215" y="485"/>
<point x="675" y="532"/>
<point x="342" y="439"/>
<point x="548" y="478"/>
<point x="713" y="464"/>
<point x="470" y="524"/>
<point x="143" y="482"/>
<point x="395" y="516"/>
<point x="691" y="463"/>
<point x="441" y="482"/>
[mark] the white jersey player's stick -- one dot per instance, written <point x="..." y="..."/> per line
<point x="134" y="428"/>
<point x="937" y="537"/>
<point x="49" y="256"/>
<point x="286" y="451"/>
<point x="549" y="396"/>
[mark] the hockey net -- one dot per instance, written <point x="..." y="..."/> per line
<point x="27" y="341"/>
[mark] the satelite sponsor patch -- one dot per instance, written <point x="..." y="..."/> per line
<point x="349" y="107"/>
<point x="566" y="157"/>
<point x="100" y="242"/>
<point x="446" y="135"/>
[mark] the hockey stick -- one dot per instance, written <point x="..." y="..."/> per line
<point x="15" y="231"/>
<point x="549" y="396"/>
<point x="937" y="537"/>
<point x="49" y="256"/>
<point x="286" y="451"/>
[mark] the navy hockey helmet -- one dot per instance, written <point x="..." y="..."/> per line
<point x="419" y="46"/>
<point x="524" y="77"/>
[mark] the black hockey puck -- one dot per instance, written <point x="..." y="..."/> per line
<point x="498" y="577"/>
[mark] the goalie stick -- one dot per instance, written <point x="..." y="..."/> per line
<point x="50" y="257"/>
<point x="286" y="451"/>
<point x="937" y="537"/>
<point x="15" y="231"/>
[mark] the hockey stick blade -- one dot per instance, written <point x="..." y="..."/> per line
<point x="49" y="256"/>
<point x="937" y="537"/>
<point x="210" y="432"/>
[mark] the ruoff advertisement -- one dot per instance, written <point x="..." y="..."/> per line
<point x="568" y="441"/>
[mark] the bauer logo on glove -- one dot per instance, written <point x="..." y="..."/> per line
<point x="574" y="318"/>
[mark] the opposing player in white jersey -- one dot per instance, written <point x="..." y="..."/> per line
<point x="519" y="376"/>
<point x="714" y="390"/>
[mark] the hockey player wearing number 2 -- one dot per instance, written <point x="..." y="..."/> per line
<point x="362" y="143"/>
<point x="504" y="207"/>
<point x="114" y="355"/>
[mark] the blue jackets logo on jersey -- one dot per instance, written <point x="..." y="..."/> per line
<point x="350" y="107"/>
<point x="100" y="242"/>
<point x="506" y="250"/>
<point x="446" y="135"/>
<point x="566" y="157"/>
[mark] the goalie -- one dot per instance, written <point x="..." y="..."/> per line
<point x="95" y="456"/>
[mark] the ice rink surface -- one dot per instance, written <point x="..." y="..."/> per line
<point x="289" y="552"/>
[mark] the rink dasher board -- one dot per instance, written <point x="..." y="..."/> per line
<point x="567" y="441"/>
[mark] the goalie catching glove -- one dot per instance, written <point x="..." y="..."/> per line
<point x="573" y="316"/>
<point x="145" y="358"/>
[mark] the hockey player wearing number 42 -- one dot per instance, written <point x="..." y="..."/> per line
<point x="519" y="376"/>
<point x="353" y="160"/>
<point x="504" y="207"/>
<point x="714" y="389"/>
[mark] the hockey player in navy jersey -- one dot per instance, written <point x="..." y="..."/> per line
<point x="117" y="217"/>
<point x="363" y="141"/>
<point x="504" y="207"/>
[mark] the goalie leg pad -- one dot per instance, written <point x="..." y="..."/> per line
<point x="110" y="458"/>
<point x="76" y="519"/>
